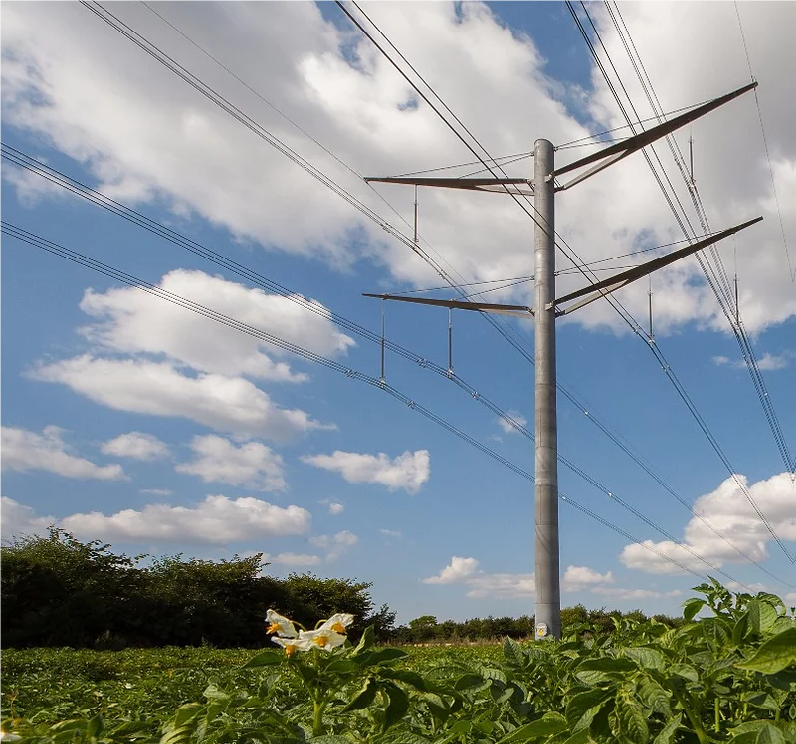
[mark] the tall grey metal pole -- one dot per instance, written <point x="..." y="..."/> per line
<point x="546" y="570"/>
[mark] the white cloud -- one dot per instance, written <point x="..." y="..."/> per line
<point x="295" y="559"/>
<point x="230" y="404"/>
<point x="615" y="592"/>
<point x="114" y="109"/>
<point x="19" y="519"/>
<point x="483" y="585"/>
<point x="335" y="507"/>
<point x="216" y="520"/>
<point x="579" y="577"/>
<point x="767" y="362"/>
<point x="790" y="597"/>
<point x="729" y="513"/>
<point x="30" y="188"/>
<point x="408" y="471"/>
<point x="391" y="533"/>
<point x="517" y="417"/>
<point x="136" y="446"/>
<point x="157" y="491"/>
<point x="253" y="465"/>
<point x="334" y="545"/>
<point x="457" y="570"/>
<point x="25" y="450"/>
<point x="501" y="586"/>
<point x="135" y="322"/>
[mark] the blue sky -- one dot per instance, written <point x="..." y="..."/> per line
<point x="130" y="420"/>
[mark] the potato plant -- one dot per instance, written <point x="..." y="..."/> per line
<point x="729" y="676"/>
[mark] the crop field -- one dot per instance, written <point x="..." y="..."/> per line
<point x="729" y="676"/>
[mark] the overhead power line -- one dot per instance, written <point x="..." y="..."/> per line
<point x="716" y="277"/>
<point x="141" y="40"/>
<point x="653" y="346"/>
<point x="153" y="289"/>
<point x="18" y="158"/>
<point x="573" y="256"/>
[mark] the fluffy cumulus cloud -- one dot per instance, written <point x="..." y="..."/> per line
<point x="253" y="465"/>
<point x="457" y="570"/>
<point x="24" y="451"/>
<point x="230" y="404"/>
<point x="408" y="471"/>
<point x="132" y="321"/>
<point x="19" y="519"/>
<point x="483" y="585"/>
<point x="105" y="103"/>
<point x="155" y="358"/>
<point x="767" y="363"/>
<point x="293" y="559"/>
<point x="728" y="512"/>
<point x="217" y="520"/>
<point x="136" y="446"/>
<point x="581" y="577"/>
<point x="507" y="427"/>
<point x="335" y="545"/>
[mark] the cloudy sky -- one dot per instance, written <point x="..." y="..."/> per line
<point x="159" y="429"/>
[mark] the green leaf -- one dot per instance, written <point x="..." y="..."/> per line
<point x="384" y="655"/>
<point x="692" y="606"/>
<point x="579" y="737"/>
<point x="769" y="735"/>
<point x="186" y="713"/>
<point x="666" y="735"/>
<point x="367" y="641"/>
<point x="179" y="734"/>
<point x="328" y="739"/>
<point x="341" y="666"/>
<point x="741" y="628"/>
<point x="591" y="679"/>
<point x="654" y="697"/>
<point x="365" y="697"/>
<point x="762" y="616"/>
<point x="213" y="693"/>
<point x="686" y="671"/>
<point x="413" y="679"/>
<point x="541" y="727"/>
<point x="455" y="731"/>
<point x="471" y="682"/>
<point x="774" y="655"/>
<point x="581" y="705"/>
<point x="632" y="720"/>
<point x="606" y="664"/>
<point x="512" y="652"/>
<point x="398" y="704"/>
<point x="264" y="658"/>
<point x="646" y="657"/>
<point x="95" y="727"/>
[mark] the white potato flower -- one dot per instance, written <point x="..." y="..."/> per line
<point x="323" y="638"/>
<point x="280" y="625"/>
<point x="291" y="645"/>
<point x="338" y="622"/>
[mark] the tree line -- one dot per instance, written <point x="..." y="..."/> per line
<point x="60" y="591"/>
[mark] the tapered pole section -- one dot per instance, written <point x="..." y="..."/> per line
<point x="548" y="595"/>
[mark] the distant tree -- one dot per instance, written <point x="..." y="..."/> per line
<point x="423" y="628"/>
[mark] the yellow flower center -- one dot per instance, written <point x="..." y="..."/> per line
<point x="290" y="650"/>
<point x="338" y="627"/>
<point x="320" y="641"/>
<point x="274" y="628"/>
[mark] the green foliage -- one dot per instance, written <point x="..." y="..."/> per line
<point x="59" y="591"/>
<point x="729" y="677"/>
